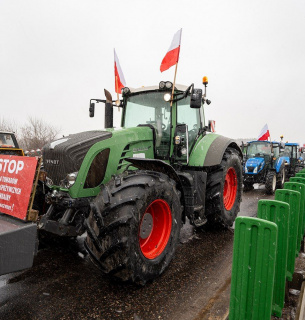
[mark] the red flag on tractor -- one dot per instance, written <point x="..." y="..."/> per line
<point x="172" y="56"/>
<point x="118" y="73"/>
<point x="264" y="134"/>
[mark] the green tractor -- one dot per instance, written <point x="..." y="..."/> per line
<point x="133" y="187"/>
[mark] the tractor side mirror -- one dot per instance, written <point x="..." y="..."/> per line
<point x="91" y="110"/>
<point x="196" y="98"/>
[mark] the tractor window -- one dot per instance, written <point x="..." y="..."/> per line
<point x="6" y="140"/>
<point x="276" y="150"/>
<point x="287" y="151"/>
<point x="294" y="152"/>
<point x="150" y="108"/>
<point x="189" y="116"/>
<point x="258" y="149"/>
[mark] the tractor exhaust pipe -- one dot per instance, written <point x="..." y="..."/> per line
<point x="108" y="115"/>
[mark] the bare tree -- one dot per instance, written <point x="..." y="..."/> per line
<point x="36" y="133"/>
<point x="8" y="125"/>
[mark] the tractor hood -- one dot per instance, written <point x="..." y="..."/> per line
<point x="66" y="155"/>
<point x="254" y="165"/>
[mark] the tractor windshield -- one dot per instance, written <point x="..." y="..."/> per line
<point x="256" y="149"/>
<point x="150" y="108"/>
<point x="290" y="151"/>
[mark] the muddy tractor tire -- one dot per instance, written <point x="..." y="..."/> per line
<point x="280" y="178"/>
<point x="134" y="225"/>
<point x="270" y="184"/>
<point x="224" y="190"/>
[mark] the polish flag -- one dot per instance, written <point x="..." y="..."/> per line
<point x="172" y="55"/>
<point x="264" y="134"/>
<point x="118" y="74"/>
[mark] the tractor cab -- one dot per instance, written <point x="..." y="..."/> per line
<point x="263" y="164"/>
<point x="177" y="118"/>
<point x="258" y="153"/>
<point x="293" y="160"/>
<point x="9" y="144"/>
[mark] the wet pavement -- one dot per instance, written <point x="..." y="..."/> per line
<point x="65" y="285"/>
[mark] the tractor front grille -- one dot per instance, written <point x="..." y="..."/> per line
<point x="66" y="155"/>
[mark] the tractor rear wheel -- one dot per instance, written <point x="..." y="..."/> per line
<point x="224" y="189"/>
<point x="134" y="224"/>
<point x="270" y="184"/>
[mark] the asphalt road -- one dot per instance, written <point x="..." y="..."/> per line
<point x="65" y="285"/>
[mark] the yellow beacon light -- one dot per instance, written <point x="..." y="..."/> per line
<point x="205" y="80"/>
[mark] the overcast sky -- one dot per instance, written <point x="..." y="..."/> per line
<point x="56" y="55"/>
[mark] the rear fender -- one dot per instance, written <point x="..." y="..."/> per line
<point x="209" y="150"/>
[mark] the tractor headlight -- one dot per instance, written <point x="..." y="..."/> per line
<point x="246" y="169"/>
<point x="49" y="182"/>
<point x="167" y="96"/>
<point x="125" y="91"/>
<point x="255" y="170"/>
<point x="168" y="85"/>
<point x="69" y="181"/>
<point x="165" y="85"/>
<point x="71" y="178"/>
<point x="162" y="85"/>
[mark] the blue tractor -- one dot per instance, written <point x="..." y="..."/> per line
<point x="293" y="160"/>
<point x="264" y="165"/>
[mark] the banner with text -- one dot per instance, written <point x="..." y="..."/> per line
<point x="16" y="181"/>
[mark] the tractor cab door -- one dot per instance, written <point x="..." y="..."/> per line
<point x="294" y="157"/>
<point x="191" y="117"/>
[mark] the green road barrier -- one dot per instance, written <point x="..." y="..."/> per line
<point x="301" y="188"/>
<point x="293" y="199"/>
<point x="300" y="180"/>
<point x="278" y="212"/>
<point x="253" y="269"/>
<point x="300" y="174"/>
<point x="302" y="171"/>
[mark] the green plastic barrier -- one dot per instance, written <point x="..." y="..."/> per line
<point x="302" y="171"/>
<point x="278" y="212"/>
<point x="300" y="180"/>
<point x="293" y="199"/>
<point x="301" y="188"/>
<point x="300" y="174"/>
<point x="296" y="186"/>
<point x="253" y="268"/>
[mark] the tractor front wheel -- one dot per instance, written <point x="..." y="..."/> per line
<point x="224" y="189"/>
<point x="280" y="179"/>
<point x="134" y="225"/>
<point x="270" y="184"/>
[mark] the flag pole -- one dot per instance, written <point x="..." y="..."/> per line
<point x="118" y="96"/>
<point x="172" y="97"/>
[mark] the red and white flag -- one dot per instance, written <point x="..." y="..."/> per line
<point x="264" y="134"/>
<point x="118" y="74"/>
<point x="172" y="55"/>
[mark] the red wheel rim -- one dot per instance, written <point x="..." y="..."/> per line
<point x="155" y="229"/>
<point x="230" y="189"/>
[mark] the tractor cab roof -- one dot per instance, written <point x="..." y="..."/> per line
<point x="291" y="144"/>
<point x="178" y="87"/>
<point x="259" y="141"/>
